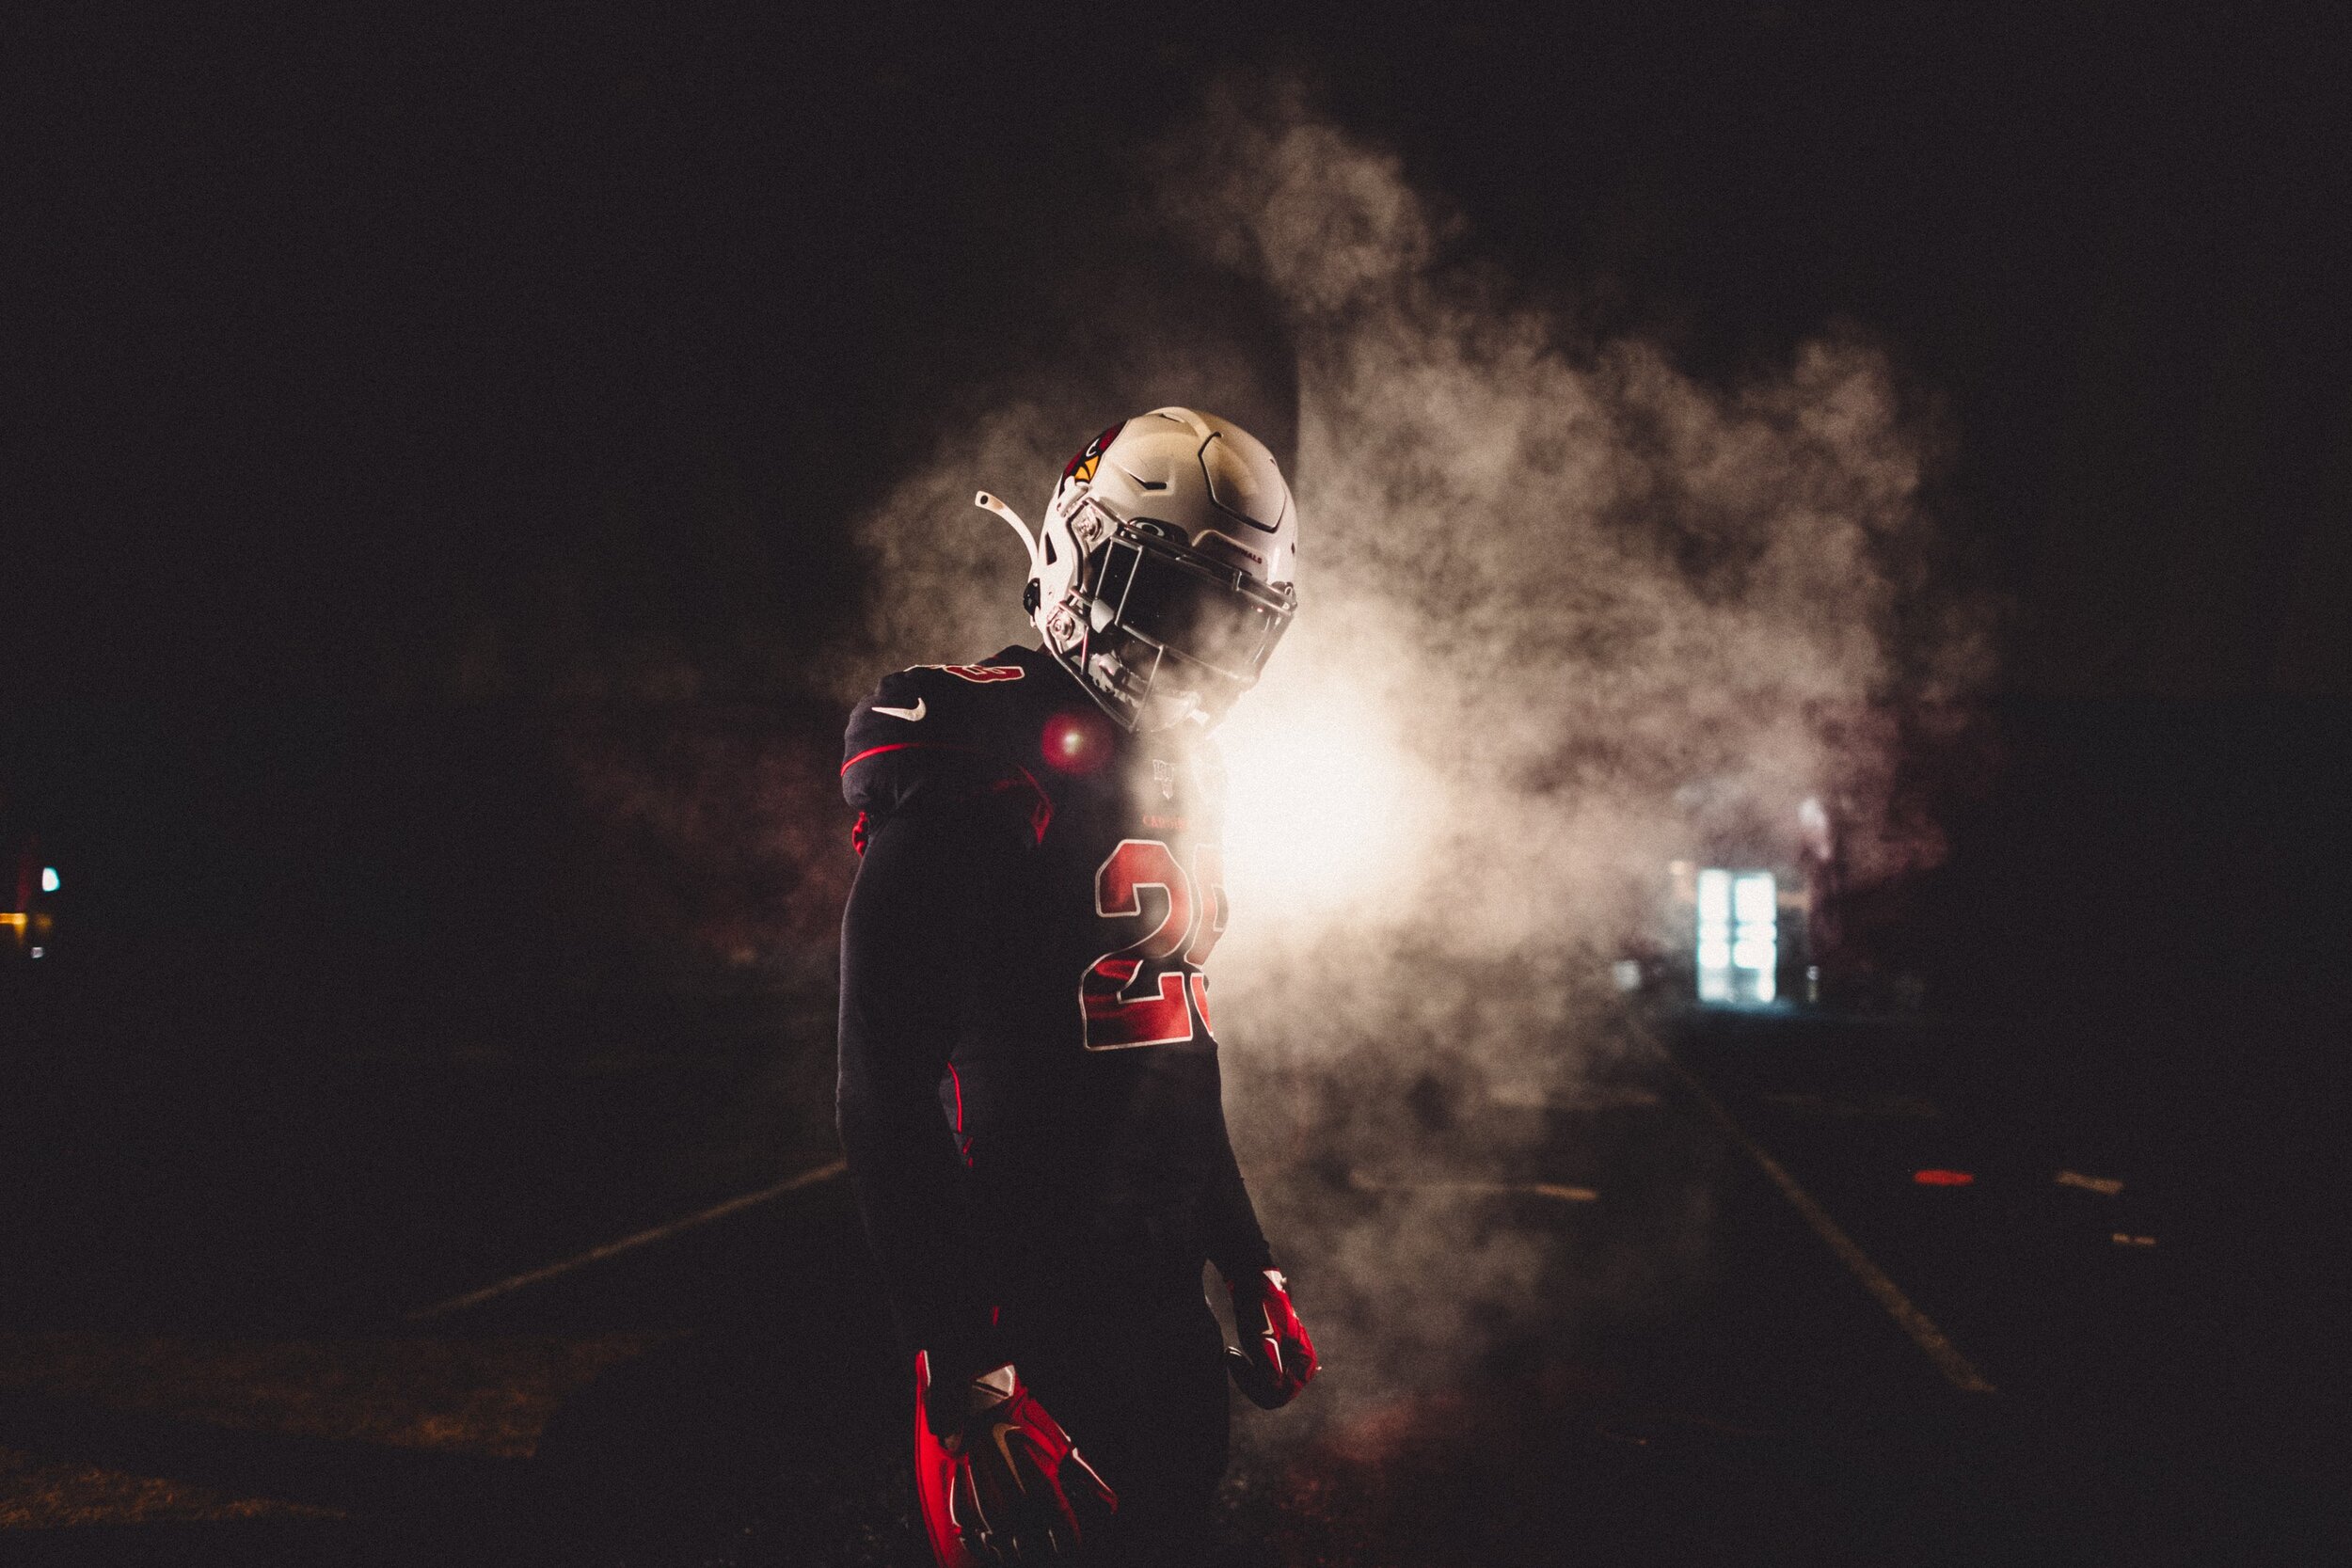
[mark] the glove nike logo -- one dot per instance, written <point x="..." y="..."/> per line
<point x="909" y="714"/>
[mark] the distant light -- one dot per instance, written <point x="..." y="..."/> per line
<point x="1737" y="936"/>
<point x="1943" y="1178"/>
<point x="38" y="951"/>
<point x="49" y="882"/>
<point x="1628" y="974"/>
<point x="1714" y="897"/>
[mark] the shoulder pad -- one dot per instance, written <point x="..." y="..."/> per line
<point x="934" y="731"/>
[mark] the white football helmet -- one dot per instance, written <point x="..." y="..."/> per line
<point x="1162" y="576"/>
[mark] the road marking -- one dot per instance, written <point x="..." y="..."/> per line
<point x="626" y="1244"/>
<point x="1930" y="1339"/>
<point x="1363" y="1183"/>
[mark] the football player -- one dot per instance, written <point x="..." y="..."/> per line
<point x="1029" y="1096"/>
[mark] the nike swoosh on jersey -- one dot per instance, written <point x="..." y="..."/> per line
<point x="909" y="714"/>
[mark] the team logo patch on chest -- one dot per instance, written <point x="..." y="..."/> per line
<point x="1164" y="774"/>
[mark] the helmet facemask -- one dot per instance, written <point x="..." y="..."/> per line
<point x="1169" y="632"/>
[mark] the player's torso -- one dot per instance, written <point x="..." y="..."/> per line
<point x="1103" y="1091"/>
<point x="1130" y="886"/>
<point x="1097" y="944"/>
<point x="1086" y="1082"/>
<point x="1123" y="898"/>
<point x="1085" y="1079"/>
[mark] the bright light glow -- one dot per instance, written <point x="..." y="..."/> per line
<point x="1737" y="936"/>
<point x="49" y="879"/>
<point x="39" y="952"/>
<point x="1322" y="805"/>
<point x="1714" y="897"/>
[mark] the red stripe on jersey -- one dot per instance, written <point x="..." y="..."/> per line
<point x="1040" y="814"/>
<point x="898" y="746"/>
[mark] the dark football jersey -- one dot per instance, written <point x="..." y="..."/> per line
<point x="1025" y="947"/>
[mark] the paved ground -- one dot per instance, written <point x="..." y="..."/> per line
<point x="1684" y="1313"/>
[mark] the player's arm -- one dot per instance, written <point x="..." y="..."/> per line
<point x="906" y="940"/>
<point x="1236" y="1243"/>
<point x="1275" y="1358"/>
<point x="996" y="1477"/>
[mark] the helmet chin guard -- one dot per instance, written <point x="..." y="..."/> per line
<point x="1161" y="578"/>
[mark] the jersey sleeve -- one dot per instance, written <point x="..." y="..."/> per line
<point x="925" y="882"/>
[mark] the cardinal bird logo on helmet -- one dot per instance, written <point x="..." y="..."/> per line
<point x="1080" y="469"/>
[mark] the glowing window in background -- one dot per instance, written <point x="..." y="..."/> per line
<point x="1738" y="936"/>
<point x="49" y="879"/>
<point x="1714" y="936"/>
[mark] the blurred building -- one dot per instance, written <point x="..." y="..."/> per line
<point x="1750" y="916"/>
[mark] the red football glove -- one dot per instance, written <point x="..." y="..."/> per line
<point x="998" y="1478"/>
<point x="1275" y="1358"/>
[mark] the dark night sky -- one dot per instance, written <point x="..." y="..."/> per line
<point x="373" y="368"/>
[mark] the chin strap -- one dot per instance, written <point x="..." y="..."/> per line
<point x="986" y="502"/>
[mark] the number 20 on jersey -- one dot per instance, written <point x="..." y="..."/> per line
<point x="1137" y="994"/>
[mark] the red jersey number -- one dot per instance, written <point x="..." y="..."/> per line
<point x="1132" y="995"/>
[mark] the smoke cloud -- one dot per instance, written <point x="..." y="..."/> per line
<point x="1567" y="613"/>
